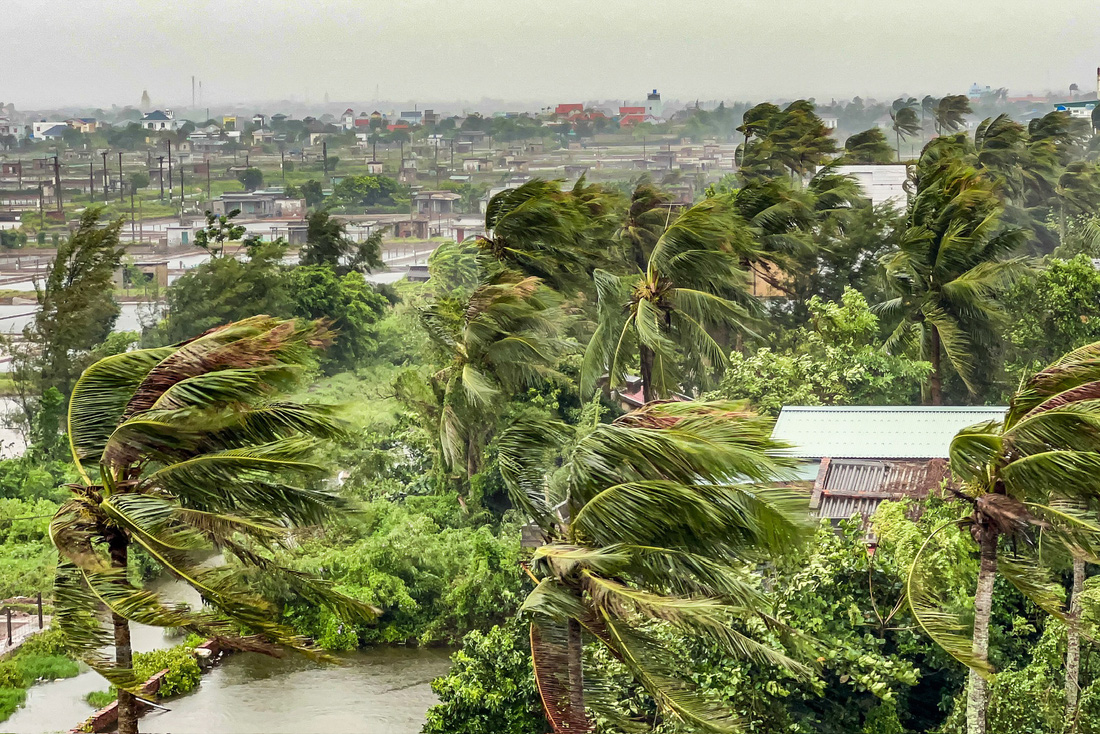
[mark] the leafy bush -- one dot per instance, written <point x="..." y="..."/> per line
<point x="10" y="700"/>
<point x="183" y="670"/>
<point x="49" y="667"/>
<point x="490" y="688"/>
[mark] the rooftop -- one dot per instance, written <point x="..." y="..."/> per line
<point x="877" y="432"/>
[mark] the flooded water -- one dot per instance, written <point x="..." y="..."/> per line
<point x="379" y="691"/>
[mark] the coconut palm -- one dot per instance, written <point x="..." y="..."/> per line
<point x="661" y="514"/>
<point x="950" y="113"/>
<point x="648" y="214"/>
<point x="504" y="338"/>
<point x="867" y="147"/>
<point x="693" y="281"/>
<point x="545" y="232"/>
<point x="1038" y="470"/>
<point x="904" y="121"/>
<point x="182" y="451"/>
<point x="951" y="264"/>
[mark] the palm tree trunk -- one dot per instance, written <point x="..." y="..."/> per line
<point x="935" y="384"/>
<point x="645" y="360"/>
<point x="977" y="699"/>
<point x="1073" y="645"/>
<point x="124" y="655"/>
<point x="576" y="670"/>
<point x="471" y="456"/>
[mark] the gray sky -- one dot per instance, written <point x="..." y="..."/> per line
<point x="103" y="52"/>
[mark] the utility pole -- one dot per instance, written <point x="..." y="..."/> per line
<point x="133" y="228"/>
<point x="181" y="194"/>
<point x="105" y="177"/>
<point x="41" y="206"/>
<point x="324" y="156"/>
<point x="57" y="184"/>
<point x="121" y="194"/>
<point x="91" y="181"/>
<point x="169" y="144"/>
<point x="209" y="196"/>
<point x="160" y="177"/>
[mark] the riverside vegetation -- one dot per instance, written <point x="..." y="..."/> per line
<point x="678" y="598"/>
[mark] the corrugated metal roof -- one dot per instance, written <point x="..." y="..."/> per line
<point x="847" y="487"/>
<point x="877" y="432"/>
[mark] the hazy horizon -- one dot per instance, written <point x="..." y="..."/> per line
<point x="106" y="52"/>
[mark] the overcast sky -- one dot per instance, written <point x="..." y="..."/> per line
<point x="103" y="52"/>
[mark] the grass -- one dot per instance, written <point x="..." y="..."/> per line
<point x="47" y="667"/>
<point x="10" y="700"/>
<point x="99" y="699"/>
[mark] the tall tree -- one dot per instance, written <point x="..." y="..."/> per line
<point x="694" y="281"/>
<point x="77" y="310"/>
<point x="866" y="147"/>
<point x="661" y="516"/>
<point x="904" y="120"/>
<point x="950" y="266"/>
<point x="950" y="113"/>
<point x="181" y="451"/>
<point x="792" y="140"/>
<point x="1037" y="470"/>
<point x="647" y="215"/>
<point x="506" y="337"/>
<point x="328" y="244"/>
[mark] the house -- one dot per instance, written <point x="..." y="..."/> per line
<point x="860" y="456"/>
<point x="259" y="204"/>
<point x="347" y="120"/>
<point x="415" y="227"/>
<point x="435" y="202"/>
<point x="880" y="183"/>
<point x="229" y="122"/>
<point x="182" y="235"/>
<point x="41" y="126"/>
<point x="278" y="119"/>
<point x="83" y="124"/>
<point x="374" y="168"/>
<point x="11" y="129"/>
<point x="377" y="119"/>
<point x="431" y="118"/>
<point x="630" y="396"/>
<point x="159" y="120"/>
<point x="259" y="120"/>
<point x="54" y="132"/>
<point x="830" y="121"/>
<point x="568" y="109"/>
<point x="477" y="165"/>
<point x="263" y="136"/>
<point x="362" y="122"/>
<point x="1082" y="108"/>
<point x="411" y="118"/>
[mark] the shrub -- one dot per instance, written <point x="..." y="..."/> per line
<point x="183" y="670"/>
<point x="10" y="700"/>
<point x="47" y="667"/>
<point x="99" y="699"/>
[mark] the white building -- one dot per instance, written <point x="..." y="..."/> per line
<point x="7" y="127"/>
<point x="653" y="106"/>
<point x="41" y="126"/>
<point x="158" y="120"/>
<point x="880" y="183"/>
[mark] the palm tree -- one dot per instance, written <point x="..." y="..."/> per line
<point x="506" y="337"/>
<point x="950" y="113"/>
<point x="693" y="281"/>
<point x="1035" y="471"/>
<point x="904" y="121"/>
<point x="927" y="110"/>
<point x="661" y="515"/>
<point x="647" y="216"/>
<point x="867" y="147"/>
<point x="950" y="267"/>
<point x="536" y="229"/>
<point x="181" y="451"/>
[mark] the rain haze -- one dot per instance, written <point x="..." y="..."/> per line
<point x="103" y="52"/>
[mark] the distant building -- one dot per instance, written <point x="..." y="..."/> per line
<point x="347" y="120"/>
<point x="413" y="117"/>
<point x="435" y="202"/>
<point x="976" y="91"/>
<point x="159" y="120"/>
<point x="565" y="110"/>
<point x="830" y="122"/>
<point x="41" y="126"/>
<point x="880" y="183"/>
<point x="83" y="124"/>
<point x="653" y="106"/>
<point x="259" y="120"/>
<point x="477" y="165"/>
<point x="1077" y="108"/>
<point x="9" y="128"/>
<point x="259" y="205"/>
<point x="229" y="122"/>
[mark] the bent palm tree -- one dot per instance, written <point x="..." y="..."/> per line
<point x="693" y="281"/>
<point x="950" y="267"/>
<point x="904" y="121"/>
<point x="950" y="113"/>
<point x="505" y="338"/>
<point x="1038" y="470"/>
<point x="663" y="520"/>
<point x="181" y="450"/>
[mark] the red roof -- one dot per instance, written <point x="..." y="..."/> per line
<point x="633" y="119"/>
<point x="397" y="126"/>
<point x="362" y="121"/>
<point x="632" y="110"/>
<point x="568" y="109"/>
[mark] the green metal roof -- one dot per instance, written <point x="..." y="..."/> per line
<point x="877" y="432"/>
